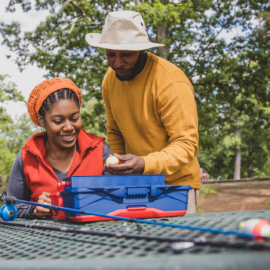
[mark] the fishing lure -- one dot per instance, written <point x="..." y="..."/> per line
<point x="256" y="226"/>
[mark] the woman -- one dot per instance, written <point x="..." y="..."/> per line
<point x="64" y="149"/>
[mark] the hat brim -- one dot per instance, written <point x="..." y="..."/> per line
<point x="94" y="38"/>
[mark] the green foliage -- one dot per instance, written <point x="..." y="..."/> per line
<point x="58" y="44"/>
<point x="92" y="120"/>
<point x="230" y="77"/>
<point x="8" y="90"/>
<point x="12" y="139"/>
<point x="13" y="135"/>
<point x="6" y="159"/>
<point x="22" y="129"/>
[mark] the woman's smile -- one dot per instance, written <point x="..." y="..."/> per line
<point x="68" y="138"/>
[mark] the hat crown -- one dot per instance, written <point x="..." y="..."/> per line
<point x="124" y="27"/>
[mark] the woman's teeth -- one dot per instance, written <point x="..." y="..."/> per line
<point x="67" y="137"/>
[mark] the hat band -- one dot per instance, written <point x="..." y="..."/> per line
<point x="119" y="41"/>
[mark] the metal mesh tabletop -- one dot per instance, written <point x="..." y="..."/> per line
<point x="27" y="248"/>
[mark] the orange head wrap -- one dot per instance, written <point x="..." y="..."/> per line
<point x="43" y="90"/>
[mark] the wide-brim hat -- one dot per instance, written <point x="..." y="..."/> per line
<point x="123" y="30"/>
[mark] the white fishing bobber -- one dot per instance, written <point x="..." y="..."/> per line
<point x="113" y="160"/>
<point x="260" y="227"/>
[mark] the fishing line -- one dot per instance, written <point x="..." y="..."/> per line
<point x="199" y="241"/>
<point x="11" y="200"/>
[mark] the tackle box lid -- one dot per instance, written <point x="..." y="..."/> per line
<point x="114" y="180"/>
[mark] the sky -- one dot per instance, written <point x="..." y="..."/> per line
<point x="32" y="75"/>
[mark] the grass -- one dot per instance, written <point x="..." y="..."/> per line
<point x="265" y="187"/>
<point x="207" y="191"/>
<point x="199" y="209"/>
<point x="254" y="184"/>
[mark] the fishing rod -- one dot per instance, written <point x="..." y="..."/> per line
<point x="9" y="213"/>
<point x="177" y="245"/>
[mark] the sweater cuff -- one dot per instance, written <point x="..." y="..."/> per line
<point x="150" y="165"/>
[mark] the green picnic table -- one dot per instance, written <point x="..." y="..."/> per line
<point x="28" y="248"/>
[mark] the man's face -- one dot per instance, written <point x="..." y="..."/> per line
<point x="123" y="62"/>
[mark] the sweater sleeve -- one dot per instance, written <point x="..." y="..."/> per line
<point x="177" y="109"/>
<point x="114" y="135"/>
<point x="17" y="187"/>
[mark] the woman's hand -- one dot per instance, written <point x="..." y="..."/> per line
<point x="41" y="211"/>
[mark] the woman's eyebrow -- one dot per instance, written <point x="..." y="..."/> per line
<point x="75" y="112"/>
<point x="60" y="115"/>
<point x="56" y="115"/>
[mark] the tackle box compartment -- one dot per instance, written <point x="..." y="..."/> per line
<point x="134" y="196"/>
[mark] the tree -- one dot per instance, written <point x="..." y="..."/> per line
<point x="8" y="92"/>
<point x="59" y="45"/>
<point x="231" y="77"/>
<point x="89" y="117"/>
<point x="244" y="104"/>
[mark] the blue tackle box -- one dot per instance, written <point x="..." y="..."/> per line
<point x="134" y="196"/>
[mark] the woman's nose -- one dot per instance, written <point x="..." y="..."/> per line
<point x="68" y="126"/>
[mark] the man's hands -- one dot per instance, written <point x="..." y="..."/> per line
<point x="131" y="164"/>
<point x="41" y="211"/>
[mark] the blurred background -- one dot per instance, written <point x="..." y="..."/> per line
<point x="222" y="46"/>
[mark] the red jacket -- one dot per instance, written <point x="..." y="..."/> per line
<point x="39" y="174"/>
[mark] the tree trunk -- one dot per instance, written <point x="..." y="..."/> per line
<point x="237" y="164"/>
<point x="250" y="162"/>
<point x="163" y="34"/>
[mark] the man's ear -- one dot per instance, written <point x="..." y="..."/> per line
<point x="41" y="120"/>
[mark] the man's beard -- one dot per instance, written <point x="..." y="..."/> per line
<point x="136" y="69"/>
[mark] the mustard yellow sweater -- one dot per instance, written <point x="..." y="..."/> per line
<point x="154" y="116"/>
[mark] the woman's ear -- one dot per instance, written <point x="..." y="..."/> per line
<point x="41" y="120"/>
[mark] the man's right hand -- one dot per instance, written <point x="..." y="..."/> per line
<point x="41" y="211"/>
<point x="131" y="164"/>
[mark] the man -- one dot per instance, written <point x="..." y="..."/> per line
<point x="152" y="119"/>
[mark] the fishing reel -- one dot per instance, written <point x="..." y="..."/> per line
<point x="8" y="211"/>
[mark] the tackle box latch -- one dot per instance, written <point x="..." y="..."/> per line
<point x="137" y="191"/>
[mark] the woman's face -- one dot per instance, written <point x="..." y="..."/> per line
<point x="63" y="123"/>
